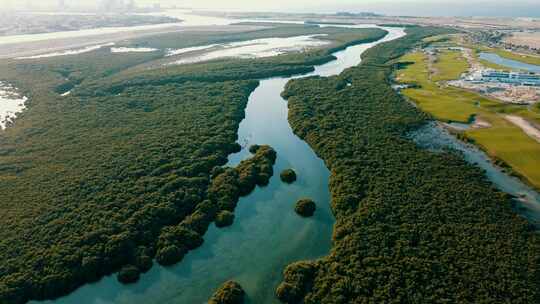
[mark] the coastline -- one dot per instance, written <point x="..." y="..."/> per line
<point x="31" y="48"/>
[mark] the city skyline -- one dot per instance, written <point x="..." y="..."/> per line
<point x="518" y="8"/>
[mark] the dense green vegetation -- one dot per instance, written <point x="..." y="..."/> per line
<point x="413" y="226"/>
<point x="305" y="207"/>
<point x="226" y="187"/>
<point x="128" y="167"/>
<point x="92" y="188"/>
<point x="297" y="282"/>
<point x="229" y="293"/>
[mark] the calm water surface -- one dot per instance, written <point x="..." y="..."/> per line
<point x="513" y="64"/>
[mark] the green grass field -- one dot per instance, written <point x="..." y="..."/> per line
<point x="456" y="40"/>
<point x="444" y="103"/>
<point x="449" y="66"/>
<point x="503" y="140"/>
<point x="509" y="143"/>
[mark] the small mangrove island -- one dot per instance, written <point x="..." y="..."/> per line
<point x="288" y="176"/>
<point x="128" y="274"/>
<point x="305" y="207"/>
<point x="229" y="293"/>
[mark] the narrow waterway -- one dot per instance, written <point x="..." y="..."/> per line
<point x="513" y="64"/>
<point x="267" y="234"/>
<point x="434" y="137"/>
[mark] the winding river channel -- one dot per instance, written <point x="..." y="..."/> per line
<point x="267" y="235"/>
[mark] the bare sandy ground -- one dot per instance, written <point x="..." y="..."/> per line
<point x="524" y="125"/>
<point x="530" y="39"/>
<point x="25" y="49"/>
<point x="477" y="124"/>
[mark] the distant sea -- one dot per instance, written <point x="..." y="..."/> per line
<point x="480" y="8"/>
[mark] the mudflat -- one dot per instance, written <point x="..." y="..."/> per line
<point x="14" y="50"/>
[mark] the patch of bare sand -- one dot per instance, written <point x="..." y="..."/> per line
<point x="530" y="39"/>
<point x="524" y="125"/>
<point x="479" y="123"/>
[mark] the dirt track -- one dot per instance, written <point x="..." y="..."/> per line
<point x="524" y="125"/>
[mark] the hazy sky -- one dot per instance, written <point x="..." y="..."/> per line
<point x="525" y="8"/>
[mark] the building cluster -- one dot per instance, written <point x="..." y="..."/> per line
<point x="118" y="5"/>
<point x="105" y="5"/>
<point x="509" y="87"/>
<point x="516" y="78"/>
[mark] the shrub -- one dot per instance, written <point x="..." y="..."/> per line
<point x="198" y="221"/>
<point x="305" y="207"/>
<point x="229" y="293"/>
<point x="170" y="255"/>
<point x="128" y="274"/>
<point x="288" y="293"/>
<point x="144" y="263"/>
<point x="253" y="149"/>
<point x="235" y="148"/>
<point x="224" y="218"/>
<point x="297" y="282"/>
<point x="181" y="236"/>
<point x="288" y="176"/>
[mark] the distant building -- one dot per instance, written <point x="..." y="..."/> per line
<point x="112" y="5"/>
<point x="526" y="79"/>
<point x="361" y="14"/>
<point x="131" y="6"/>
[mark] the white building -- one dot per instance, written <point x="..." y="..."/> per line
<point x="525" y="79"/>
